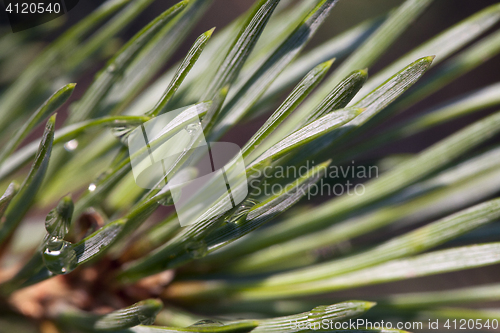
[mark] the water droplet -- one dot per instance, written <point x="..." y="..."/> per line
<point x="315" y="315"/>
<point x="111" y="68"/>
<point x="193" y="128"/>
<point x="59" y="256"/>
<point x="58" y="220"/>
<point x="146" y="320"/>
<point x="168" y="201"/>
<point x="92" y="187"/>
<point x="71" y="145"/>
<point x="207" y="322"/>
<point x="197" y="249"/>
<point x="248" y="203"/>
<point x="242" y="211"/>
<point x="122" y="133"/>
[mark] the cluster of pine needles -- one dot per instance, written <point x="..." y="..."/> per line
<point x="110" y="257"/>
